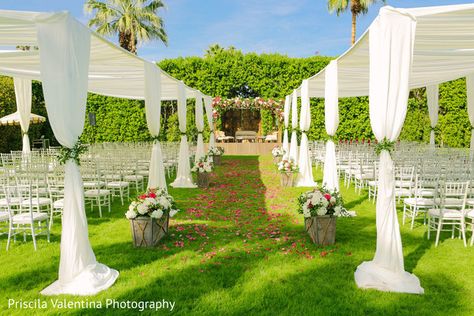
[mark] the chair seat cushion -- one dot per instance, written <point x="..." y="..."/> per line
<point x="93" y="184"/>
<point x="450" y="201"/>
<point x="419" y="202"/>
<point x="403" y="192"/>
<point x="117" y="184"/>
<point x="37" y="202"/>
<point x="13" y="201"/>
<point x="403" y="183"/>
<point x="95" y="193"/>
<point x="25" y="218"/>
<point x="135" y="177"/>
<point x="470" y="214"/>
<point x="4" y="216"/>
<point x="59" y="204"/>
<point x="446" y="213"/>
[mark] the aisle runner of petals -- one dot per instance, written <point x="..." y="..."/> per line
<point x="239" y="216"/>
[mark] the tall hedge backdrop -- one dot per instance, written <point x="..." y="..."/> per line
<point x="231" y="73"/>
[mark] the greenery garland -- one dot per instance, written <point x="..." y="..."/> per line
<point x="73" y="153"/>
<point x="385" y="144"/>
<point x="220" y="105"/>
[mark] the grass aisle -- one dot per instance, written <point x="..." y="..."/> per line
<point x="240" y="248"/>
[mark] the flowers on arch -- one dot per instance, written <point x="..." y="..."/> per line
<point x="215" y="151"/>
<point x="202" y="165"/>
<point x="278" y="151"/>
<point x="319" y="202"/>
<point x="220" y="105"/>
<point x="287" y="165"/>
<point x="154" y="203"/>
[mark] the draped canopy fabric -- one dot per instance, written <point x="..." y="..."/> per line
<point x="286" y="121"/>
<point x="199" y="115"/>
<point x="293" y="154"/>
<point x="112" y="70"/>
<point x="433" y="109"/>
<point x="470" y="107"/>
<point x="23" y="104"/>
<point x="331" y="119"/>
<point x="209" y="114"/>
<point x="64" y="54"/>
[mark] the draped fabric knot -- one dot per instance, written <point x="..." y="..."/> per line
<point x="385" y="144"/>
<point x="332" y="138"/>
<point x="155" y="138"/>
<point x="72" y="153"/>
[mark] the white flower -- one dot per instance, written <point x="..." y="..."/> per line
<point x="173" y="212"/>
<point x="164" y="202"/>
<point x="322" y="211"/>
<point x="149" y="201"/>
<point x="306" y="213"/>
<point x="130" y="214"/>
<point x="156" y="214"/>
<point x="333" y="200"/>
<point x="324" y="202"/>
<point x="132" y="206"/>
<point x="142" y="209"/>
<point x="337" y="210"/>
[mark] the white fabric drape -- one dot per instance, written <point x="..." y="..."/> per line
<point x="209" y="114"/>
<point x="293" y="154"/>
<point x="183" y="175"/>
<point x="305" y="173"/>
<point x="199" y="115"/>
<point x="286" y="122"/>
<point x="156" y="172"/>
<point x="470" y="107"/>
<point x="331" y="119"/>
<point x="23" y="104"/>
<point x="64" y="54"/>
<point x="391" y="50"/>
<point x="433" y="109"/>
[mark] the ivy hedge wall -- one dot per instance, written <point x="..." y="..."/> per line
<point x="231" y="73"/>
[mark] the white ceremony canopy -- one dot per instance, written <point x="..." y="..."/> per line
<point x="72" y="60"/>
<point x="403" y="49"/>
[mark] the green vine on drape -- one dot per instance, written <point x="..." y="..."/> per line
<point x="385" y="144"/>
<point x="73" y="153"/>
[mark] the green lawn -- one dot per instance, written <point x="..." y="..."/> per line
<point x="240" y="248"/>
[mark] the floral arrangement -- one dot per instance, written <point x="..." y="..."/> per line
<point x="215" y="151"/>
<point x="278" y="151"/>
<point x="219" y="104"/>
<point x="155" y="203"/>
<point x="287" y="165"/>
<point x="319" y="202"/>
<point x="202" y="165"/>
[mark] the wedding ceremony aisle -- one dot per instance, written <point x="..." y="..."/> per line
<point x="239" y="247"/>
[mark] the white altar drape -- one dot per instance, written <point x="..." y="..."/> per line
<point x="293" y="154"/>
<point x="286" y="122"/>
<point x="433" y="109"/>
<point x="183" y="175"/>
<point x="208" y="105"/>
<point x="199" y="115"/>
<point x="156" y="172"/>
<point x="23" y="104"/>
<point x="331" y="119"/>
<point x="64" y="56"/>
<point x="305" y="173"/>
<point x="391" y="51"/>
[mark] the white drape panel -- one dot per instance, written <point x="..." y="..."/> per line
<point x="305" y="174"/>
<point x="23" y="104"/>
<point x="156" y="171"/>
<point x="286" y="121"/>
<point x="433" y="109"/>
<point x="470" y="107"/>
<point x="199" y="114"/>
<point x="183" y="174"/>
<point x="391" y="50"/>
<point x="64" y="53"/>
<point x="293" y="153"/>
<point x="331" y="119"/>
<point x="208" y="105"/>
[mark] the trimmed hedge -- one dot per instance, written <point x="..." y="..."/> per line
<point x="228" y="74"/>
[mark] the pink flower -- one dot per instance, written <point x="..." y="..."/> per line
<point x="327" y="196"/>
<point x="142" y="197"/>
<point x="152" y="195"/>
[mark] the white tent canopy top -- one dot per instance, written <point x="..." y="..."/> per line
<point x="443" y="51"/>
<point x="14" y="119"/>
<point x="112" y="70"/>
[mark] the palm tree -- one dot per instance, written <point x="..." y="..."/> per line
<point x="356" y="7"/>
<point x="134" y="20"/>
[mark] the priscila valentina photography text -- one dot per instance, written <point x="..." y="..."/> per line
<point x="237" y="157"/>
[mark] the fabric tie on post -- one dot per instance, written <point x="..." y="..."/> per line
<point x="305" y="172"/>
<point x="293" y="153"/>
<point x="64" y="62"/>
<point x="183" y="174"/>
<point x="331" y="122"/>
<point x="391" y="51"/>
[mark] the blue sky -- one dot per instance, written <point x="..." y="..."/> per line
<point x="298" y="28"/>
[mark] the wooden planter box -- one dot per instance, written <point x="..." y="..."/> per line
<point x="147" y="231"/>
<point x="287" y="179"/>
<point x="203" y="179"/>
<point x="216" y="159"/>
<point x="321" y="229"/>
